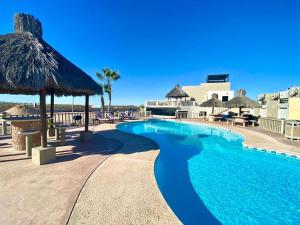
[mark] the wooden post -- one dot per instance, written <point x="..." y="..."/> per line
<point x="51" y="130"/>
<point x="86" y="125"/>
<point x="43" y="118"/>
<point x="4" y="127"/>
<point x="52" y="107"/>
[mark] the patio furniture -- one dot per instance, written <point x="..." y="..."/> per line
<point x="97" y="118"/>
<point x="24" y="123"/>
<point x="292" y="130"/>
<point x="100" y="119"/>
<point x="28" y="140"/>
<point x="60" y="133"/>
<point x="112" y="117"/>
<point x="218" y="118"/>
<point x="77" y="120"/>
<point x="240" y="121"/>
<point x="127" y="116"/>
<point x="253" y="122"/>
<point x="213" y="118"/>
<point x="230" y="120"/>
<point x="41" y="155"/>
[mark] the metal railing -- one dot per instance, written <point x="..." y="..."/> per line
<point x="169" y="103"/>
<point x="272" y="124"/>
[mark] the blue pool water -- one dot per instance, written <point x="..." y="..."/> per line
<point x="207" y="177"/>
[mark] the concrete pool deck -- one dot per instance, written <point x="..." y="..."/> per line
<point x="123" y="189"/>
<point x="113" y="176"/>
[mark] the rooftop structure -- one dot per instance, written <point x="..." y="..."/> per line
<point x="217" y="78"/>
<point x="215" y="84"/>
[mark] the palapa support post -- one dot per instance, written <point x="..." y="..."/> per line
<point x="86" y="125"/>
<point x="86" y="135"/>
<point x="51" y="128"/>
<point x="43" y="154"/>
<point x="43" y="118"/>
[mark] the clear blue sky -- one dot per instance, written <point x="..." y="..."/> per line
<point x="158" y="43"/>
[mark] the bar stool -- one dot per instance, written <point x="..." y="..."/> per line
<point x="28" y="140"/>
<point x="60" y="133"/>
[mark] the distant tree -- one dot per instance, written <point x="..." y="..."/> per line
<point x="102" y="100"/>
<point x="107" y="76"/>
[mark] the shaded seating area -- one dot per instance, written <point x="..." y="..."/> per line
<point x="240" y="102"/>
<point x="30" y="66"/>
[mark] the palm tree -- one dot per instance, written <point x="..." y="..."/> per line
<point x="107" y="76"/>
<point x="102" y="100"/>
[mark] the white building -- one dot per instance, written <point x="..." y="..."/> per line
<point x="189" y="98"/>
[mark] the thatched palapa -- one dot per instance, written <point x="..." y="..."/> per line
<point x="29" y="64"/>
<point x="21" y="110"/>
<point x="241" y="101"/>
<point x="213" y="102"/>
<point x="177" y="92"/>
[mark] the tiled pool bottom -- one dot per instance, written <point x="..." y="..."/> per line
<point x="206" y="175"/>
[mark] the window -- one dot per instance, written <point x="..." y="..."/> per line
<point x="224" y="98"/>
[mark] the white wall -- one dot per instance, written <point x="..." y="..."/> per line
<point x="220" y="94"/>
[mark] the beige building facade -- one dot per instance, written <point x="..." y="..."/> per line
<point x="204" y="91"/>
<point x="281" y="105"/>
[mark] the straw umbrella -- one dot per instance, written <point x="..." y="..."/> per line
<point x="213" y="102"/>
<point x="241" y="101"/>
<point x="22" y="110"/>
<point x="177" y="93"/>
<point x="30" y="66"/>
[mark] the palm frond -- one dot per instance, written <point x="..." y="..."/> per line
<point x="100" y="76"/>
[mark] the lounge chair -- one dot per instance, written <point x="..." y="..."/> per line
<point x="100" y="119"/>
<point x="127" y="116"/>
<point x="112" y="117"/>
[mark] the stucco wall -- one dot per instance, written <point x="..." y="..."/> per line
<point x="200" y="93"/>
<point x="294" y="109"/>
<point x="272" y="108"/>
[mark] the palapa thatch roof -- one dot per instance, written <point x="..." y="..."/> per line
<point x="241" y="101"/>
<point x="213" y="102"/>
<point x="177" y="92"/>
<point x="22" y="110"/>
<point x="28" y="64"/>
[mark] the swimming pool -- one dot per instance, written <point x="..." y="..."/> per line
<point x="208" y="177"/>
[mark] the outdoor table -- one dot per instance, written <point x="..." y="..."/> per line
<point x="28" y="140"/>
<point x="240" y="117"/>
<point x="253" y="122"/>
<point x="60" y="133"/>
<point x="230" y="120"/>
<point x="218" y="118"/>
<point x="24" y="123"/>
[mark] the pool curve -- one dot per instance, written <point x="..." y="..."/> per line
<point x="208" y="177"/>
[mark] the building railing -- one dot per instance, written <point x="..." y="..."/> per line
<point x="144" y="114"/>
<point x="272" y="124"/>
<point x="169" y="103"/>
